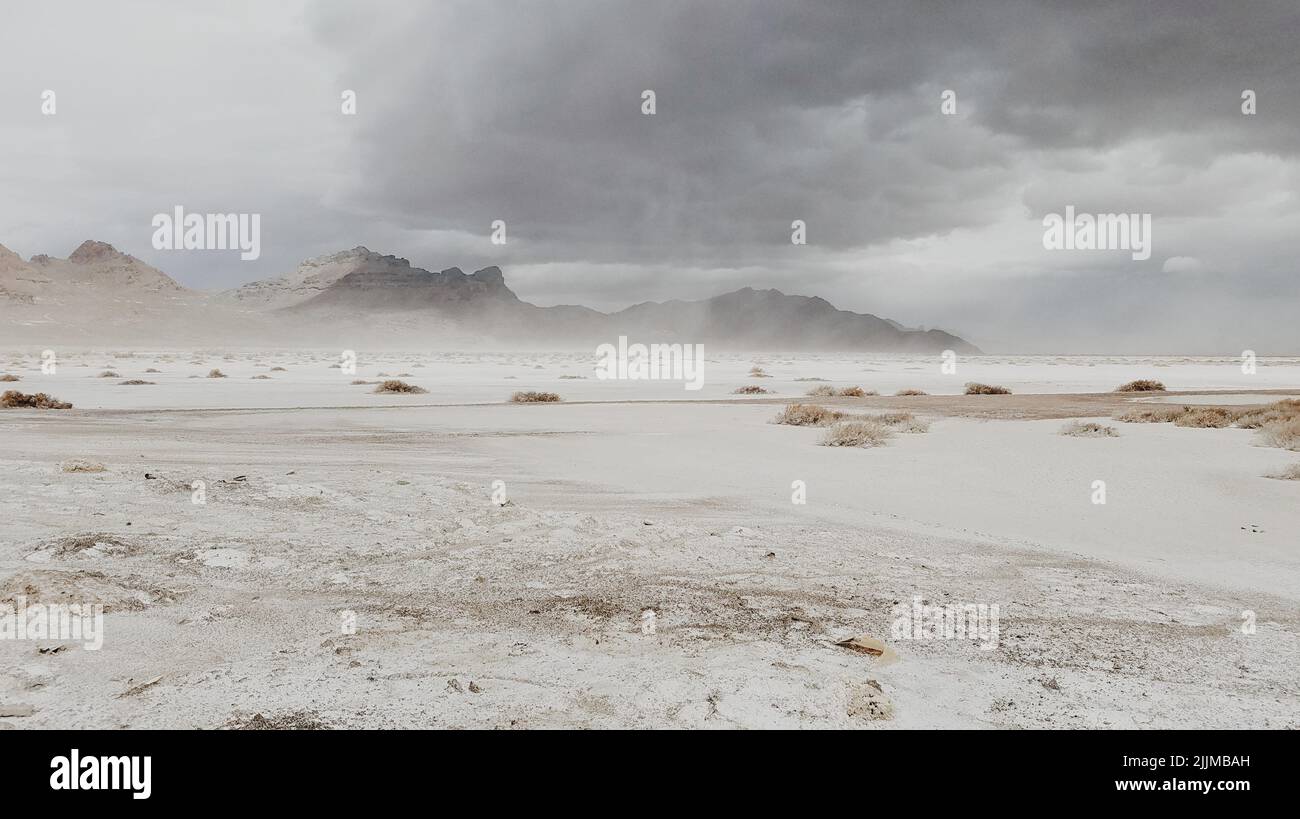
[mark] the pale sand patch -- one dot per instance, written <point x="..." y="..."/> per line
<point x="1123" y="615"/>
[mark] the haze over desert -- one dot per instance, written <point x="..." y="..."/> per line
<point x="922" y="368"/>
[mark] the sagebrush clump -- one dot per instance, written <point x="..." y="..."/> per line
<point x="751" y="389"/>
<point x="856" y="433"/>
<point x="1141" y="385"/>
<point x="1276" y="412"/>
<point x="395" y="386"/>
<point x="12" y="399"/>
<point x="1206" y="418"/>
<point x="1150" y="415"/>
<point x="807" y="415"/>
<point x="902" y="422"/>
<point x="976" y="388"/>
<point x="535" y="398"/>
<point x="1284" y="434"/>
<point x="1278" y="423"/>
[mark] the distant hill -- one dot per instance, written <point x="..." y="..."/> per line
<point x="770" y="319"/>
<point x="361" y="298"/>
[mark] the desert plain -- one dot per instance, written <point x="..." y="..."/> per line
<point x="452" y="559"/>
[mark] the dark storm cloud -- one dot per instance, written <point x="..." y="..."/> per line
<point x="769" y="112"/>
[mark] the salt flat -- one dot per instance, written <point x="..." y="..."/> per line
<point x="636" y="495"/>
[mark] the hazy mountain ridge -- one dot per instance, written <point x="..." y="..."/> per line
<point x="372" y="298"/>
<point x="767" y="318"/>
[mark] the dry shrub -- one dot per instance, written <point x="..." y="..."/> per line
<point x="856" y="433"/>
<point x="823" y="391"/>
<point x="902" y="393"/>
<point x="810" y="379"/>
<point x="359" y="382"/>
<point x="1284" y="434"/>
<point x="12" y="399"/>
<point x="751" y="389"/>
<point x="216" y="374"/>
<point x="1206" y="418"/>
<point x="976" y="388"/>
<point x="1141" y="385"/>
<point x="109" y="374"/>
<point x="1268" y="414"/>
<point x="1291" y="473"/>
<point x="855" y="392"/>
<point x="279" y="370"/>
<point x="81" y="465"/>
<point x="7" y="378"/>
<point x="152" y="370"/>
<point x="807" y="415"/>
<point x="135" y="382"/>
<point x="262" y="377"/>
<point x="534" y="398"/>
<point x="758" y="372"/>
<point x="902" y="422"/>
<point x="1088" y="429"/>
<point x="1150" y="415"/>
<point x="395" y="386"/>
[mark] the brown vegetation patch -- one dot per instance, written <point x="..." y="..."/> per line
<point x="902" y="422"/>
<point x="1150" y="415"/>
<point x="1284" y="434"/>
<point x="856" y="433"/>
<point x="1141" y="385"/>
<point x="1206" y="418"/>
<point x="807" y="415"/>
<point x="1277" y="412"/>
<point x="976" y="388"/>
<point x="854" y="392"/>
<point x="12" y="399"/>
<point x="395" y="386"/>
<point x="531" y="397"/>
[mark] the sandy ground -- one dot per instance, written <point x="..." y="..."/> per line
<point x="632" y="496"/>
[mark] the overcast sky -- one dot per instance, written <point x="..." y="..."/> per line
<point x="766" y="112"/>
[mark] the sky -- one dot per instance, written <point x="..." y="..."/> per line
<point x="831" y="113"/>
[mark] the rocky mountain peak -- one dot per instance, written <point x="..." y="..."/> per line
<point x="91" y="251"/>
<point x="490" y="276"/>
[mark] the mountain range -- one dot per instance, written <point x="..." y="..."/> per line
<point x="359" y="298"/>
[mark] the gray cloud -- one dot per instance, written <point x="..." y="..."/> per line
<point x="767" y="112"/>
